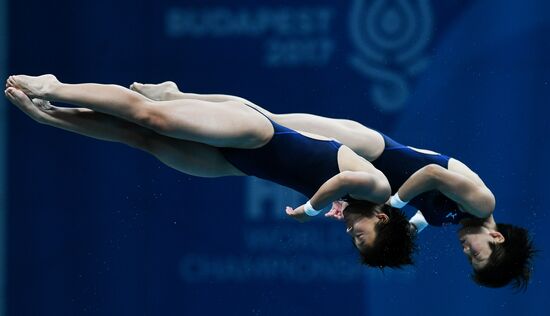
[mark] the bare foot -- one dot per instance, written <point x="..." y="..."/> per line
<point x="156" y="92"/>
<point x="34" y="87"/>
<point x="37" y="109"/>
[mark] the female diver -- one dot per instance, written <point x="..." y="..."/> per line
<point x="228" y="138"/>
<point x="443" y="188"/>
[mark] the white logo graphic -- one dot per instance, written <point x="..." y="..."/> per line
<point x="291" y="36"/>
<point x="451" y="214"/>
<point x="390" y="38"/>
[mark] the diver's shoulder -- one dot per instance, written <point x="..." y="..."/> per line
<point x="459" y="167"/>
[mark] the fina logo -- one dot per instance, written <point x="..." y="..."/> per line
<point x="390" y="38"/>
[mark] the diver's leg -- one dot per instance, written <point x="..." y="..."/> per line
<point x="186" y="156"/>
<point x="361" y="139"/>
<point x="168" y="91"/>
<point x="224" y="124"/>
<point x="364" y="141"/>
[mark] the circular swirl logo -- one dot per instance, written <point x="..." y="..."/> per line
<point x="390" y="38"/>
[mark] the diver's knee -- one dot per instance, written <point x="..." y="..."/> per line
<point x="153" y="119"/>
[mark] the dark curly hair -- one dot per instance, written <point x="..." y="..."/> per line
<point x="395" y="242"/>
<point x="510" y="262"/>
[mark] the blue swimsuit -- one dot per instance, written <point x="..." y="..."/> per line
<point x="289" y="159"/>
<point x="399" y="162"/>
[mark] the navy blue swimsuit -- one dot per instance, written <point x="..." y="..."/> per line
<point x="399" y="162"/>
<point x="289" y="159"/>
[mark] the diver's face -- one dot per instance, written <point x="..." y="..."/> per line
<point x="361" y="228"/>
<point x="475" y="241"/>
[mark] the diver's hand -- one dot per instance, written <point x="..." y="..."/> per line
<point x="298" y="213"/>
<point x="337" y="210"/>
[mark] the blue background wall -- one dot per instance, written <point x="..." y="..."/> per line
<point x="96" y="228"/>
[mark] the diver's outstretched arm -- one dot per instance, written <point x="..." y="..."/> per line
<point x="358" y="185"/>
<point x="473" y="198"/>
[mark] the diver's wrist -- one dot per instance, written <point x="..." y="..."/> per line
<point x="395" y="201"/>
<point x="309" y="210"/>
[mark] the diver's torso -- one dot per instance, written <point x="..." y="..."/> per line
<point x="399" y="162"/>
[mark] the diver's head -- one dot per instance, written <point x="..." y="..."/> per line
<point x="500" y="254"/>
<point x="381" y="233"/>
